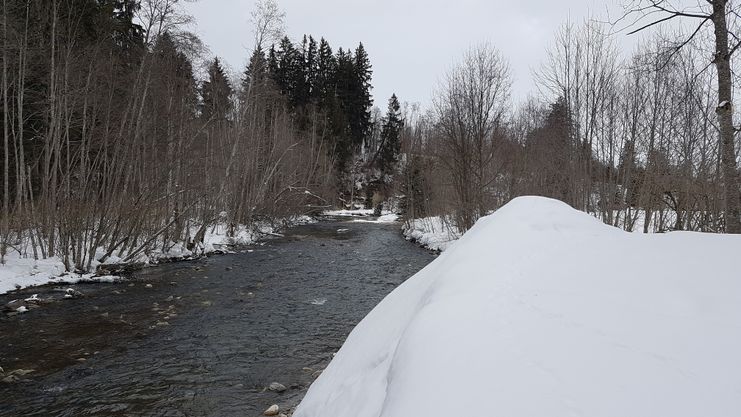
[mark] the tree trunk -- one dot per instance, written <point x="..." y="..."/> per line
<point x="725" y="119"/>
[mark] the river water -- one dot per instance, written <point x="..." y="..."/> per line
<point x="206" y="337"/>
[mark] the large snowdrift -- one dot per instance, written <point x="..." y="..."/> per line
<point x="540" y="310"/>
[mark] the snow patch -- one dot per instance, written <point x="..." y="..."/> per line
<point x="355" y="212"/>
<point x="434" y="233"/>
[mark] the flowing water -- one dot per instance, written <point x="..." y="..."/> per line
<point x="206" y="337"/>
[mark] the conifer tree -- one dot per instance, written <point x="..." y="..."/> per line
<point x="311" y="67"/>
<point x="362" y="101"/>
<point x="216" y="94"/>
<point x="254" y="73"/>
<point x="390" y="148"/>
<point x="324" y="84"/>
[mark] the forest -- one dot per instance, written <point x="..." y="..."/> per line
<point x="123" y="136"/>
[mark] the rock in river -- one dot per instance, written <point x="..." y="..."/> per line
<point x="277" y="387"/>
<point x="272" y="410"/>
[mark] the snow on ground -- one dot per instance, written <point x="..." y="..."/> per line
<point x="355" y="212"/>
<point x="386" y="218"/>
<point x="22" y="272"/>
<point x="19" y="272"/>
<point x="434" y="233"/>
<point x="541" y="310"/>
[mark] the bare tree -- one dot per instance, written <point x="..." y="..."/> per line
<point x="470" y="109"/>
<point x="267" y="18"/>
<point x="6" y="135"/>
<point x="716" y="12"/>
<point x="162" y="16"/>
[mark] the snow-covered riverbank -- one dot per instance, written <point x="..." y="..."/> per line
<point x="23" y="272"/>
<point x="433" y="233"/>
<point x="541" y="310"/>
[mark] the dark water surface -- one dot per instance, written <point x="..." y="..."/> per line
<point x="203" y="338"/>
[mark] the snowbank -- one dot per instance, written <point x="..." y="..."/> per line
<point x="431" y="232"/>
<point x="386" y="218"/>
<point x="19" y="272"/>
<point x="355" y="212"/>
<point x="22" y="272"/>
<point x="541" y="310"/>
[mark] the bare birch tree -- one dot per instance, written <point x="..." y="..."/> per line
<point x="715" y="12"/>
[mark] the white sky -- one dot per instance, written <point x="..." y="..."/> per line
<point x="411" y="43"/>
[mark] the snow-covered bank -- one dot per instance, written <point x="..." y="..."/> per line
<point x="23" y="272"/>
<point x="19" y="272"/>
<point x="385" y="218"/>
<point x="355" y="212"/>
<point x="541" y="310"/>
<point x="431" y="232"/>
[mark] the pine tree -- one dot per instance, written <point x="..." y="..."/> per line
<point x="288" y="70"/>
<point x="362" y="101"/>
<point x="390" y="148"/>
<point x="175" y="65"/>
<point x="255" y="72"/>
<point x="216" y="94"/>
<point x="311" y="68"/>
<point x="325" y="81"/>
<point x="342" y="110"/>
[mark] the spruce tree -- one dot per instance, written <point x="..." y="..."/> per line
<point x="311" y="68"/>
<point x="255" y="72"/>
<point x="325" y="81"/>
<point x="216" y="94"/>
<point x="362" y="101"/>
<point x="390" y="148"/>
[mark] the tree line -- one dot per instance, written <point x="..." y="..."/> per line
<point x="639" y="140"/>
<point x="112" y="148"/>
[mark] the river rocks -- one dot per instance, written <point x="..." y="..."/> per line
<point x="273" y="410"/>
<point x="12" y="306"/>
<point x="16" y="375"/>
<point x="34" y="299"/>
<point x="10" y="379"/>
<point x="277" y="387"/>
<point x="71" y="293"/>
<point x="16" y="307"/>
<point x="148" y="286"/>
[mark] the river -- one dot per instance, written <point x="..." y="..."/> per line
<point x="205" y="337"/>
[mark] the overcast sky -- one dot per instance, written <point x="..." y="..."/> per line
<point x="411" y="43"/>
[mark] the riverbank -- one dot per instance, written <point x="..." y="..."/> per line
<point x="20" y="272"/>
